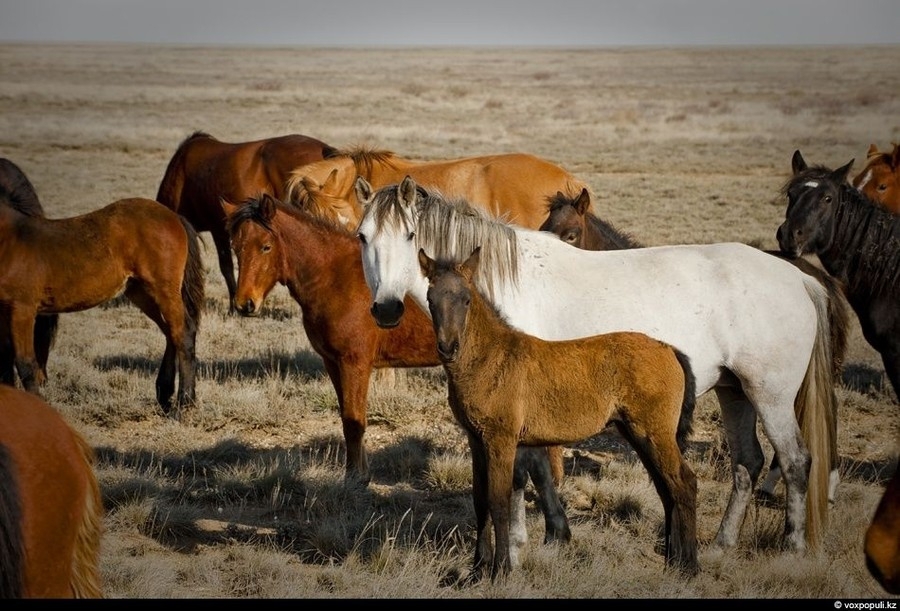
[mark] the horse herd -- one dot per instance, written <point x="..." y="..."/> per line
<point x="476" y="265"/>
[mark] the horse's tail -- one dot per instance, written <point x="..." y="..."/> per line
<point x="193" y="287"/>
<point x="86" y="559"/>
<point x="686" y="418"/>
<point x="12" y="542"/>
<point x="816" y="410"/>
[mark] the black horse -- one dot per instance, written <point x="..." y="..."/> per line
<point x="17" y="192"/>
<point x="857" y="242"/>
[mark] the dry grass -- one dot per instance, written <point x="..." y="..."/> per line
<point x="244" y="497"/>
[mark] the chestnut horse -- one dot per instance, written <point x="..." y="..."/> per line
<point x="879" y="181"/>
<point x="51" y="512"/>
<point x="321" y="265"/>
<point x="512" y="186"/>
<point x="136" y="246"/>
<point x="571" y="220"/>
<point x="17" y="192"/>
<point x="204" y="169"/>
<point x="508" y="388"/>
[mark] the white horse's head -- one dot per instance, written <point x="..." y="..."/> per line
<point x="387" y="232"/>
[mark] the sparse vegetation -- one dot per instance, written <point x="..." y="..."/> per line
<point x="244" y="495"/>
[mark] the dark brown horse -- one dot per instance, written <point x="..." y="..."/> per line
<point x="51" y="512"/>
<point x="573" y="222"/>
<point x="508" y="388"/>
<point x="203" y="170"/>
<point x="882" y="542"/>
<point x="133" y="246"/>
<point x="879" y="181"/>
<point x="320" y="264"/>
<point x="16" y="191"/>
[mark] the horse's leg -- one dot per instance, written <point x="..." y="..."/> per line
<point x="890" y="356"/>
<point x="7" y="354"/>
<point x="226" y="264"/>
<point x="747" y="459"/>
<point x="539" y="463"/>
<point x="22" y="329"/>
<point x="136" y="292"/>
<point x="518" y="527"/>
<point x="675" y="482"/>
<point x="501" y="457"/>
<point x="484" y="550"/>
<point x="351" y="383"/>
<point x="45" y="326"/>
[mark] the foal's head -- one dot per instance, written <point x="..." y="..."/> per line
<point x="566" y="217"/>
<point x="879" y="181"/>
<point x="450" y="292"/>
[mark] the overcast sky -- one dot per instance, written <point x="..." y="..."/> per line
<point x="454" y="22"/>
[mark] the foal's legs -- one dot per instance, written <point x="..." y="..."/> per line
<point x="538" y="462"/>
<point x="484" y="549"/>
<point x="22" y="320"/>
<point x="747" y="459"/>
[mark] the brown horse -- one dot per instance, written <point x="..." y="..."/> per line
<point x="882" y="542"/>
<point x="204" y="169"/>
<point x="572" y="221"/>
<point x="511" y="186"/>
<point x="136" y="246"/>
<point x="321" y="265"/>
<point x="879" y="181"/>
<point x="508" y="388"/>
<point x="17" y="192"/>
<point x="51" y="512"/>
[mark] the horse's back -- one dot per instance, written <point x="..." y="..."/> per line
<point x="59" y="497"/>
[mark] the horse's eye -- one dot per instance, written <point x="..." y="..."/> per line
<point x="266" y="247"/>
<point x="882" y="187"/>
<point x="827" y="199"/>
<point x="570" y="237"/>
<point x="411" y="236"/>
<point x="362" y="238"/>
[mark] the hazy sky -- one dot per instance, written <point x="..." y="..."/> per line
<point x="454" y="22"/>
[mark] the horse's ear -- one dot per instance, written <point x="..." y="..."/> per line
<point x="798" y="164"/>
<point x="227" y="207"/>
<point x="330" y="182"/>
<point x="407" y="191"/>
<point x="266" y="206"/>
<point x="426" y="263"/>
<point x="583" y="202"/>
<point x="840" y="174"/>
<point x="873" y="150"/>
<point x="363" y="190"/>
<point x="470" y="266"/>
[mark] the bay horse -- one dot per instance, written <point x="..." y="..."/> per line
<point x="320" y="264"/>
<point x="879" y="181"/>
<point x="571" y="220"/>
<point x="882" y="539"/>
<point x="512" y="186"/>
<point x="136" y="247"/>
<point x="507" y="388"/>
<point x="204" y="169"/>
<point x="51" y="511"/>
<point x="16" y="191"/>
<point x="754" y="327"/>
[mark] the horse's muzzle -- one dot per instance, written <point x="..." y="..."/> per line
<point x="247" y="308"/>
<point x="387" y="314"/>
<point x="448" y="351"/>
<point x="789" y="242"/>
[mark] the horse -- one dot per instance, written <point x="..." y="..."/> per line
<point x="856" y="242"/>
<point x="17" y="192"/>
<point x="571" y="220"/>
<point x="508" y="388"/>
<point x="882" y="538"/>
<point x="51" y="511"/>
<point x="510" y="186"/>
<point x="204" y="169"/>
<point x="320" y="264"/>
<point x="136" y="247"/>
<point x="879" y="181"/>
<point x="754" y="327"/>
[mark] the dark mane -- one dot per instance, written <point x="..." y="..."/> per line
<point x="250" y="210"/>
<point x="866" y="238"/>
<point x="365" y="158"/>
<point x="17" y="191"/>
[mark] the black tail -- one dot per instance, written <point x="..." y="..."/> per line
<point x="686" y="419"/>
<point x="193" y="287"/>
<point x="12" y="546"/>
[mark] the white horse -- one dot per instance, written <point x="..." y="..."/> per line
<point x="754" y="327"/>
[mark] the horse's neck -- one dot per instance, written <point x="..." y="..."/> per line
<point x="311" y="255"/>
<point x="603" y="236"/>
<point x="486" y="339"/>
